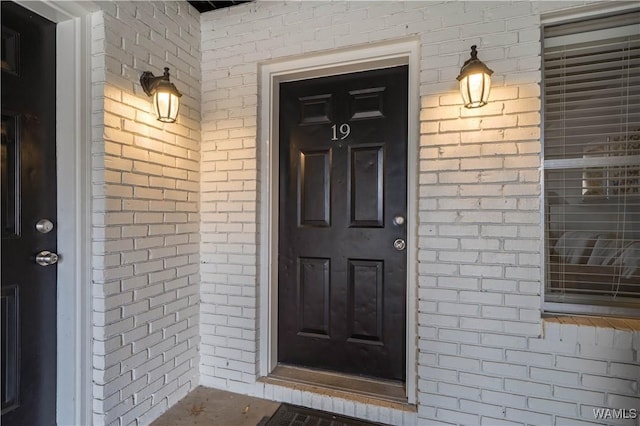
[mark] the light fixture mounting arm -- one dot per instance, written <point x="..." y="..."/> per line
<point x="150" y="82"/>
<point x="473" y="65"/>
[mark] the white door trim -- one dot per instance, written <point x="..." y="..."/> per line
<point x="73" y="151"/>
<point x="360" y="58"/>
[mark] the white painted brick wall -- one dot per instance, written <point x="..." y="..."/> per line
<point x="145" y="213"/>
<point x="484" y="357"/>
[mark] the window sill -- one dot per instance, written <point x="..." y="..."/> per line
<point x="628" y="324"/>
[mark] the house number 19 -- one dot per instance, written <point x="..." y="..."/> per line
<point x="344" y="131"/>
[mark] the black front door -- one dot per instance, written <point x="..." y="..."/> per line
<point x="28" y="195"/>
<point x="342" y="225"/>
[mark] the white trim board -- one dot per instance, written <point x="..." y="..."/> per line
<point x="73" y="119"/>
<point x="359" y="58"/>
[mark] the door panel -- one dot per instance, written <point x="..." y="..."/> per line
<point x="10" y="347"/>
<point x="10" y="176"/>
<point x="343" y="162"/>
<point x="366" y="293"/>
<point x="313" y="296"/>
<point x="29" y="291"/>
<point x="314" y="189"/>
<point x="366" y="186"/>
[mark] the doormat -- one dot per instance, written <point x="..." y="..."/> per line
<point x="293" y="415"/>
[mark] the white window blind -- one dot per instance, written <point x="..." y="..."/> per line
<point x="591" y="78"/>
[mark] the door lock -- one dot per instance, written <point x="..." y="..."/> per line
<point x="398" y="220"/>
<point x="46" y="258"/>
<point x="44" y="226"/>
<point x="399" y="244"/>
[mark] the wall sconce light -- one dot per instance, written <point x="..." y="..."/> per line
<point x="475" y="81"/>
<point x="166" y="98"/>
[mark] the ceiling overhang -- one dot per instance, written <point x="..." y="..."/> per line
<point x="206" y="6"/>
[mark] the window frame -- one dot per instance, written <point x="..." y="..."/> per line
<point x="572" y="304"/>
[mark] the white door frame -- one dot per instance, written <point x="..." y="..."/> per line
<point x="271" y="74"/>
<point x="73" y="151"/>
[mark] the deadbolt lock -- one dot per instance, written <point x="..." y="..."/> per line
<point x="398" y="220"/>
<point x="44" y="226"/>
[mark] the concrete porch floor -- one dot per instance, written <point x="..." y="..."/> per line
<point x="213" y="407"/>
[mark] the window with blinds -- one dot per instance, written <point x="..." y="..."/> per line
<point x="591" y="78"/>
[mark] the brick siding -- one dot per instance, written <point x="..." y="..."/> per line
<point x="484" y="357"/>
<point x="176" y="224"/>
<point x="146" y="212"/>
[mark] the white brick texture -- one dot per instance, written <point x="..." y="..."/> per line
<point x="146" y="212"/>
<point x="176" y="223"/>
<point x="484" y="355"/>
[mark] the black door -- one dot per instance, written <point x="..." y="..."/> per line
<point x="28" y="195"/>
<point x="343" y="202"/>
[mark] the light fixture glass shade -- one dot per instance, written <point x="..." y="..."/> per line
<point x="475" y="89"/>
<point x="166" y="98"/>
<point x="475" y="81"/>
<point x="165" y="106"/>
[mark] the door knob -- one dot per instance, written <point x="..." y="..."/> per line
<point x="399" y="244"/>
<point x="46" y="258"/>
